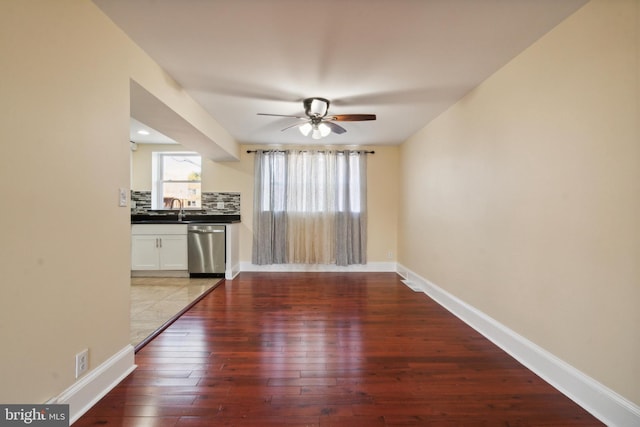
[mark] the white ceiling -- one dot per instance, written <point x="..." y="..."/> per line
<point x="141" y="133"/>
<point x="405" y="60"/>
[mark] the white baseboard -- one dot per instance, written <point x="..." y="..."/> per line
<point x="372" y="267"/>
<point x="602" y="402"/>
<point x="88" y="390"/>
<point x="232" y="272"/>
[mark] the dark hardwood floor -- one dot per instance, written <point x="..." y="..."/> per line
<point x="327" y="349"/>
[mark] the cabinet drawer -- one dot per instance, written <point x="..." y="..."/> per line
<point x="158" y="229"/>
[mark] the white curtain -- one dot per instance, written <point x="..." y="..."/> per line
<point x="310" y="207"/>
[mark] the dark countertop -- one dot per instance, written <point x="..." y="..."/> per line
<point x="188" y="219"/>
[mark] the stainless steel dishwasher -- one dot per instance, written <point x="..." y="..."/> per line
<point x="206" y="250"/>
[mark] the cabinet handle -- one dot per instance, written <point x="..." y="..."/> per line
<point x="160" y="239"/>
<point x="157" y="244"/>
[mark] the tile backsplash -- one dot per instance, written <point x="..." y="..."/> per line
<point x="141" y="203"/>
<point x="230" y="201"/>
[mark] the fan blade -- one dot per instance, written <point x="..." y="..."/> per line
<point x="335" y="128"/>
<point x="352" y="117"/>
<point x="294" y="125"/>
<point x="282" y="115"/>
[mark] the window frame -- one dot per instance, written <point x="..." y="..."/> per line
<point x="158" y="181"/>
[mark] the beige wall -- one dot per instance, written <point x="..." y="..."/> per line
<point x="64" y="126"/>
<point x="524" y="198"/>
<point x="141" y="160"/>
<point x="383" y="179"/>
<point x="64" y="251"/>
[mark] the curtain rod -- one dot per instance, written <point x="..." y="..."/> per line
<point x="320" y="151"/>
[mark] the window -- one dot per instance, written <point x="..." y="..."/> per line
<point x="176" y="180"/>
<point x="310" y="182"/>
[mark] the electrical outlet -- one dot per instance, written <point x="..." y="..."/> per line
<point x="82" y="362"/>
<point x="220" y="205"/>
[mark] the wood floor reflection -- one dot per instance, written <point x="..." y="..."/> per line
<point x="327" y="349"/>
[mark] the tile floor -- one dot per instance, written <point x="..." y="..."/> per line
<point x="154" y="300"/>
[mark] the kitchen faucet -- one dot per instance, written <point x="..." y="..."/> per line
<point x="181" y="211"/>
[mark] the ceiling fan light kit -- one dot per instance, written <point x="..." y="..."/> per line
<point x="305" y="128"/>
<point x="317" y="123"/>
<point x="320" y="131"/>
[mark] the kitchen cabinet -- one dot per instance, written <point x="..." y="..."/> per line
<point x="233" y="251"/>
<point x="159" y="247"/>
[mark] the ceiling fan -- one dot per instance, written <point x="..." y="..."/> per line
<point x="317" y="122"/>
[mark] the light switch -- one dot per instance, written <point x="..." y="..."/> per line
<point x="123" y="197"/>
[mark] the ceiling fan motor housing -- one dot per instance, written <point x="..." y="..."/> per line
<point x="316" y="107"/>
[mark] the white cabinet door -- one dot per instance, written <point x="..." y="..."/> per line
<point x="173" y="252"/>
<point x="144" y="253"/>
<point x="159" y="247"/>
